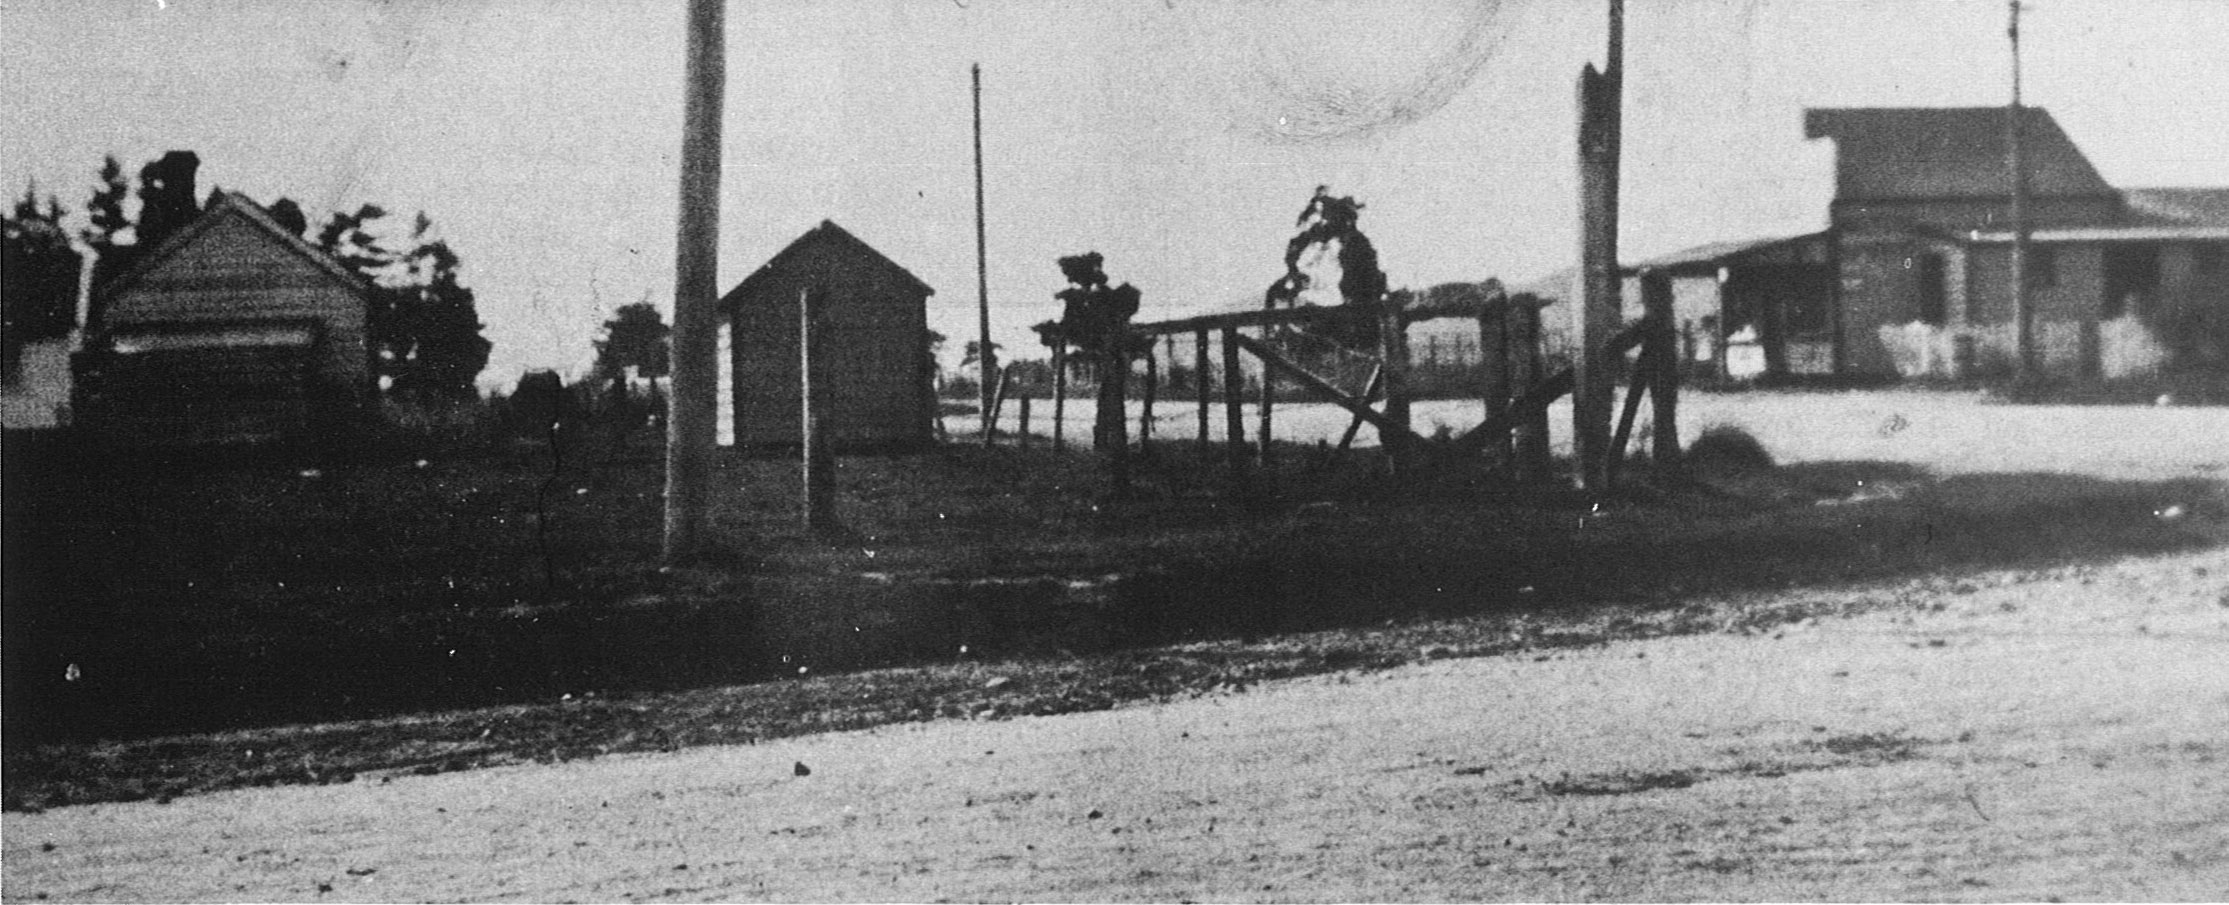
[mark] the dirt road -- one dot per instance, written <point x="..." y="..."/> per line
<point x="2025" y="737"/>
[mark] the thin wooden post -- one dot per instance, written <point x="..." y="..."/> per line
<point x="1267" y="411"/>
<point x="1114" y="444"/>
<point x="1531" y="434"/>
<point x="1234" y="408"/>
<point x="1664" y="341"/>
<point x="1493" y="371"/>
<point x="2091" y="347"/>
<point x="1022" y="435"/>
<point x="1199" y="380"/>
<point x="1393" y="357"/>
<point x="693" y="418"/>
<point x="983" y="353"/>
<point x="1145" y="413"/>
<point x="1772" y="333"/>
<point x="818" y="466"/>
<point x="1060" y="394"/>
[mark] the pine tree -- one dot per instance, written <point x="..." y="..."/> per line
<point x="425" y="326"/>
<point x="107" y="223"/>
<point x="636" y="337"/>
<point x="39" y="271"/>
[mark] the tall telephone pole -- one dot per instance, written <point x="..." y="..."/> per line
<point x="983" y="355"/>
<point x="692" y="423"/>
<point x="1596" y="317"/>
<point x="2016" y="127"/>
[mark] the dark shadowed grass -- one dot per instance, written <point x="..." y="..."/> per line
<point x="518" y="607"/>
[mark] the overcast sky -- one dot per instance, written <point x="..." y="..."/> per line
<point x="1177" y="137"/>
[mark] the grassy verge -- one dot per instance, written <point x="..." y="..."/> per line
<point x="205" y="607"/>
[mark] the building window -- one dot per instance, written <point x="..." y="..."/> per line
<point x="2043" y="267"/>
<point x="1933" y="292"/>
<point x="2132" y="275"/>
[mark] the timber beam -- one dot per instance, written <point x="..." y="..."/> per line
<point x="1308" y="314"/>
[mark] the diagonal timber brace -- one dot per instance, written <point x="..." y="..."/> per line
<point x="1361" y="408"/>
<point x="1537" y="399"/>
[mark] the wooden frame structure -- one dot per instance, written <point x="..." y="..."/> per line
<point x="1515" y="389"/>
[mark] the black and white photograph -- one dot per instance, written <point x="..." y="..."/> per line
<point x="1115" y="451"/>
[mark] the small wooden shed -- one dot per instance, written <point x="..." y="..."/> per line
<point x="873" y="375"/>
<point x="233" y="329"/>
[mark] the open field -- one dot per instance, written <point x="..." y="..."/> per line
<point x="261" y="625"/>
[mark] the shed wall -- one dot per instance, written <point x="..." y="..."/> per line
<point x="871" y="370"/>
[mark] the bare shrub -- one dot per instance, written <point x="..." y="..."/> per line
<point x="1723" y="447"/>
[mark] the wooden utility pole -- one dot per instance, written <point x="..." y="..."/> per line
<point x="983" y="354"/>
<point x="692" y="422"/>
<point x="1596" y="316"/>
<point x="2016" y="128"/>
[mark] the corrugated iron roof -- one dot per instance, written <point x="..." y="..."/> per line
<point x="1910" y="153"/>
<point x="1713" y="254"/>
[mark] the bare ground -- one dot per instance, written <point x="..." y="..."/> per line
<point x="2018" y="735"/>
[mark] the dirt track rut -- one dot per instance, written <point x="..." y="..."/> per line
<point x="2043" y="736"/>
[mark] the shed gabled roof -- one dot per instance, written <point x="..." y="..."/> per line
<point x="837" y="241"/>
<point x="233" y="204"/>
<point x="1913" y="153"/>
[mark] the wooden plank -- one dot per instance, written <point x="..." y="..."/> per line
<point x="1060" y="394"/>
<point x="1234" y="406"/>
<point x="1199" y="379"/>
<point x="1361" y="409"/>
<point x="1265" y="431"/>
<point x="1310" y="314"/>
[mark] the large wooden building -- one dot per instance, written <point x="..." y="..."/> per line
<point x="873" y="375"/>
<point x="1913" y="275"/>
<point x="232" y="329"/>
